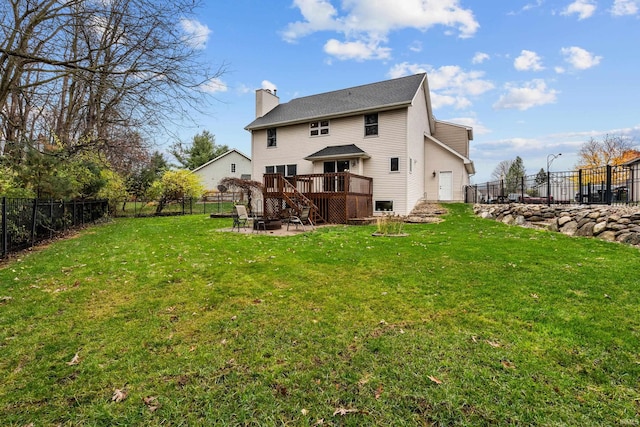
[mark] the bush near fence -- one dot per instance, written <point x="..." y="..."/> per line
<point x="605" y="185"/>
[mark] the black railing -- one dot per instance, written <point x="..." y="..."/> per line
<point x="604" y="185"/>
<point x="25" y="222"/>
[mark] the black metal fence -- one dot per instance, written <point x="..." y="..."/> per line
<point x="218" y="204"/>
<point x="25" y="222"/>
<point x="604" y="185"/>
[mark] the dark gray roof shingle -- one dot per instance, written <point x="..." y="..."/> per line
<point x="372" y="96"/>
<point x="337" y="151"/>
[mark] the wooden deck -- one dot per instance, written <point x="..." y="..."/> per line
<point x="334" y="197"/>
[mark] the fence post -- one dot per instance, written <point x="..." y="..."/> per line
<point x="581" y="200"/>
<point x="5" y="240"/>
<point x="51" y="217"/>
<point x="548" y="187"/>
<point x="608" y="184"/>
<point x="33" y="221"/>
<point x="522" y="188"/>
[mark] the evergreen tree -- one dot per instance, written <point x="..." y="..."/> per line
<point x="202" y="149"/>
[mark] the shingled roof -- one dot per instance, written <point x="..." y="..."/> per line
<point x="359" y="99"/>
<point x="338" y="151"/>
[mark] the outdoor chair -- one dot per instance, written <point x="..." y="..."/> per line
<point x="240" y="217"/>
<point x="301" y="219"/>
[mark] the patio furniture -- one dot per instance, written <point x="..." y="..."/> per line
<point x="301" y="219"/>
<point x="240" y="217"/>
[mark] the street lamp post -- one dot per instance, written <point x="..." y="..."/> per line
<point x="550" y="159"/>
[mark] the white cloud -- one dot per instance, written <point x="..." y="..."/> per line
<point x="266" y="84"/>
<point x="480" y="57"/>
<point x="624" y="7"/>
<point x="449" y="85"/>
<point x="583" y="8"/>
<point x="579" y="58"/>
<point x="214" y="85"/>
<point x="366" y="24"/>
<point x="532" y="94"/>
<point x="478" y="127"/>
<point x="196" y="34"/>
<point x="357" y="50"/>
<point x="528" y="61"/>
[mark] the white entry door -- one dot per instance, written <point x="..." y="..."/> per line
<point x="445" y="186"/>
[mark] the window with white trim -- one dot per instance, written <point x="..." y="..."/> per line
<point x="371" y="124"/>
<point x="271" y="138"/>
<point x="286" y="170"/>
<point x="384" y="205"/>
<point x="394" y="164"/>
<point x="233" y="168"/>
<point x="319" y="128"/>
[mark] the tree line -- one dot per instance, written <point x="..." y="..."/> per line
<point x="611" y="150"/>
<point x="86" y="86"/>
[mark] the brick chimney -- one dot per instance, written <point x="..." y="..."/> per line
<point x="266" y="100"/>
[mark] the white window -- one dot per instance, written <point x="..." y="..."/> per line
<point x="319" y="128"/>
<point x="384" y="205"/>
<point x="233" y="168"/>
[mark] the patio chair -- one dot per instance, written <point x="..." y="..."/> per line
<point x="301" y="219"/>
<point x="240" y="217"/>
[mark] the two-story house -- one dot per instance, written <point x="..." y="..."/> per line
<point x="378" y="142"/>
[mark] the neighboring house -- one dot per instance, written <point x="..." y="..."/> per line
<point x="381" y="138"/>
<point x="233" y="163"/>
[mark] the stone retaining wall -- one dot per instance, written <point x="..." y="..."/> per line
<point x="612" y="223"/>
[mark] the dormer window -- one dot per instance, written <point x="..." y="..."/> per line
<point x="319" y="128"/>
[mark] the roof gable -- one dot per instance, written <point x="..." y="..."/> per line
<point x="374" y="96"/>
<point x="233" y="150"/>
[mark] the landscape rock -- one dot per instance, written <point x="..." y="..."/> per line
<point x="610" y="223"/>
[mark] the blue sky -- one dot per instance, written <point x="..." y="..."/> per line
<point x="533" y="77"/>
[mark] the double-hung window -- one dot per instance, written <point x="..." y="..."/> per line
<point x="233" y="168"/>
<point x="319" y="128"/>
<point x="371" y="124"/>
<point x="271" y="137"/>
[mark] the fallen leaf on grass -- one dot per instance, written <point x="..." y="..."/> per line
<point x="151" y="402"/>
<point x="119" y="395"/>
<point x="304" y="411"/>
<point x="507" y="364"/>
<point x="494" y="344"/>
<point x="74" y="361"/>
<point x="435" y="380"/>
<point x="534" y="296"/>
<point x="344" y="411"/>
<point x="379" y="391"/>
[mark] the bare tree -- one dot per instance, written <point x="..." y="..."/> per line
<point x="88" y="74"/>
<point x="501" y="170"/>
<point x="611" y="150"/>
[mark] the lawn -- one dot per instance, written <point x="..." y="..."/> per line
<point x="168" y="321"/>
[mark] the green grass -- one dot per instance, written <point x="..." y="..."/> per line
<point x="464" y="322"/>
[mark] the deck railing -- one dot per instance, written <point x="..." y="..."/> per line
<point x="336" y="197"/>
